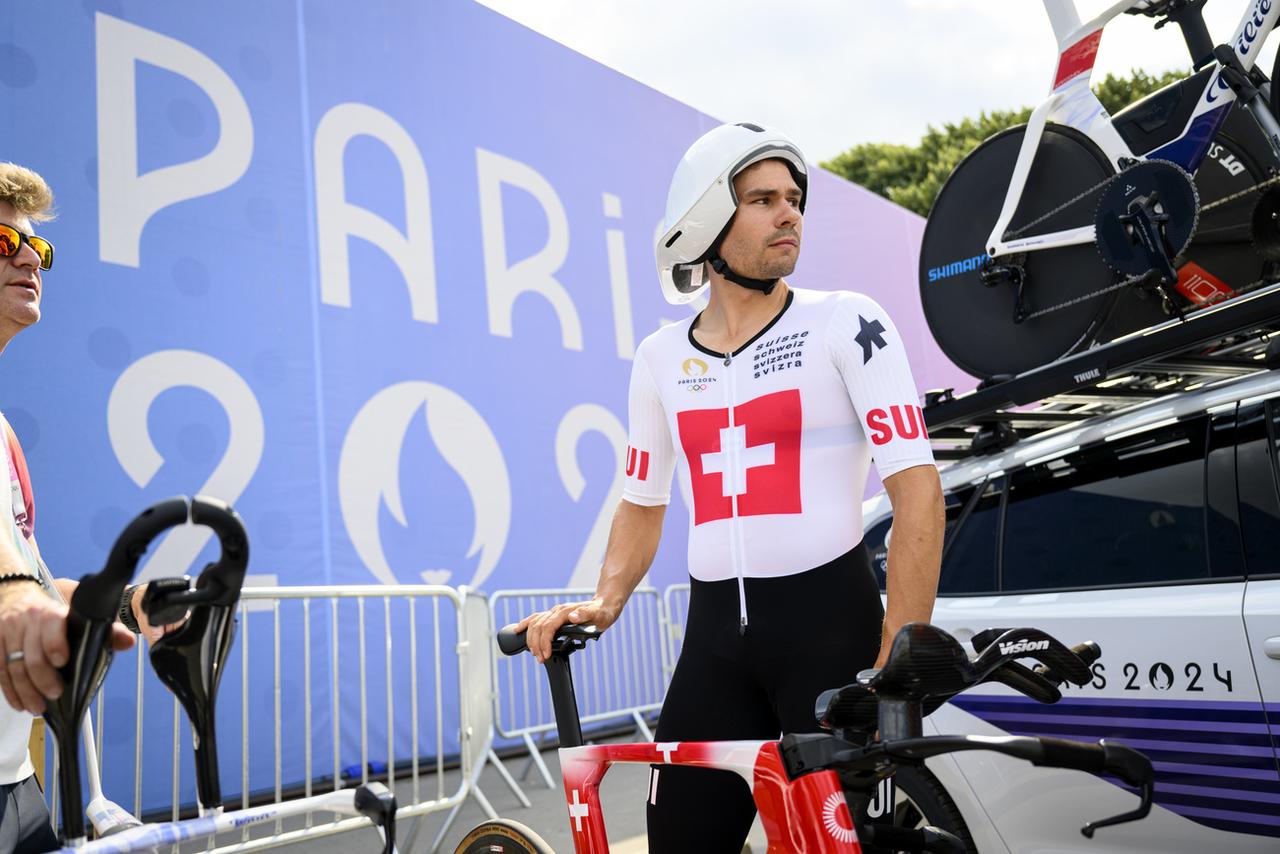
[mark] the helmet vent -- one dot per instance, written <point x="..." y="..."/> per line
<point x="674" y="238"/>
<point x="750" y="126"/>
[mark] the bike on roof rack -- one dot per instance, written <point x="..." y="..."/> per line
<point x="189" y="661"/>
<point x="1109" y="224"/>
<point x="812" y="789"/>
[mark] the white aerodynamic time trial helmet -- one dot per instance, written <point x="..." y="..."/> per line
<point x="701" y="202"/>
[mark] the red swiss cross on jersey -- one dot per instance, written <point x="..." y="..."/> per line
<point x="757" y="459"/>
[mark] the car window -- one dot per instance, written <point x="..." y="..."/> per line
<point x="1259" y="503"/>
<point x="969" y="555"/>
<point x="1124" y="512"/>
<point x="877" y="548"/>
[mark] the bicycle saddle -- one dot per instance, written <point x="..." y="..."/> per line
<point x="91" y="611"/>
<point x="568" y="638"/>
<point x="189" y="660"/>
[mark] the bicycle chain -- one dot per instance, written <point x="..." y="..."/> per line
<point x="1255" y="188"/>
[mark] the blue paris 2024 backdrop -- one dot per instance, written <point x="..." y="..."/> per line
<point x="375" y="277"/>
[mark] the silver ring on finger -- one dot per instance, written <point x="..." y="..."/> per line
<point x="15" y="656"/>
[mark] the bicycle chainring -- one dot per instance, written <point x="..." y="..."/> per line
<point x="1163" y="194"/>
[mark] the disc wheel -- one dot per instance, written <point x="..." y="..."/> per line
<point x="973" y="323"/>
<point x="923" y="801"/>
<point x="502" y="836"/>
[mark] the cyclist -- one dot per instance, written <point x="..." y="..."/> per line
<point x="32" y="621"/>
<point x="771" y="403"/>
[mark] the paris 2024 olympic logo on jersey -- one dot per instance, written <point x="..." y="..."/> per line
<point x="696" y="380"/>
<point x="755" y="460"/>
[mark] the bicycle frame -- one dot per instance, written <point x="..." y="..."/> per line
<point x="1071" y="102"/>
<point x="805" y="815"/>
<point x="150" y="836"/>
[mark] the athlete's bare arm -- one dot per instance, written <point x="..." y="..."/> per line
<point x="915" y="550"/>
<point x="633" y="541"/>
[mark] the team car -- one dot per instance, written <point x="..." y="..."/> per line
<point x="1153" y="529"/>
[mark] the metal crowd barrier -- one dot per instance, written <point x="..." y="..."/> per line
<point x="619" y="678"/>
<point x="285" y="702"/>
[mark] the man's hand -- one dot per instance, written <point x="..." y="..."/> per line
<point x="152" y="633"/>
<point x="34" y="624"/>
<point x="541" y="627"/>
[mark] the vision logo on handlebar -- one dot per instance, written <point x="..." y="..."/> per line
<point x="1023" y="646"/>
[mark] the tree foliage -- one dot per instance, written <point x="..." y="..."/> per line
<point x="911" y="175"/>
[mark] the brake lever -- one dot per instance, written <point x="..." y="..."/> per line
<point x="1144" y="807"/>
<point x="1135" y="769"/>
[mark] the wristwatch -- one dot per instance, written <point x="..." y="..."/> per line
<point x="126" y="614"/>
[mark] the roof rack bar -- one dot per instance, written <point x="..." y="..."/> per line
<point x="1251" y="312"/>
<point x="1210" y="366"/>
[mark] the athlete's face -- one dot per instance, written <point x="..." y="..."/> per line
<point x="764" y="241"/>
<point x="20" y="283"/>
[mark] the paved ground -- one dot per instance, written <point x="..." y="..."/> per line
<point x="623" y="793"/>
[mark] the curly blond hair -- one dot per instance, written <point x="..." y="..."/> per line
<point x="26" y="191"/>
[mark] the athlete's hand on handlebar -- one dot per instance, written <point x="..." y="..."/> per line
<point x="35" y="624"/>
<point x="150" y="632"/>
<point x="541" y="627"/>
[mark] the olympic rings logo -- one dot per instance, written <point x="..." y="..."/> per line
<point x="699" y="386"/>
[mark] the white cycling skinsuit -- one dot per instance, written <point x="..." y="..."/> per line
<point x="774" y="441"/>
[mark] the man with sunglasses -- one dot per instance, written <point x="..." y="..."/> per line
<point x="33" y="638"/>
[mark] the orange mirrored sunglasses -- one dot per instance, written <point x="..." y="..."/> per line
<point x="11" y="241"/>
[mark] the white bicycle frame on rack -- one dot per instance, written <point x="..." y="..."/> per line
<point x="148" y="837"/>
<point x="1072" y="103"/>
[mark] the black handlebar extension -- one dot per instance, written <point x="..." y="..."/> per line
<point x="189" y="660"/>
<point x="93" y="608"/>
<point x="91" y="611"/>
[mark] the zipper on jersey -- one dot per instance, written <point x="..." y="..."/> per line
<point x="736" y="544"/>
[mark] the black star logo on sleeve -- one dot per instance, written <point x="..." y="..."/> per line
<point x="870" y="333"/>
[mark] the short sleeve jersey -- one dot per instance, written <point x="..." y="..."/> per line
<point x="773" y="442"/>
<point x="17" y="510"/>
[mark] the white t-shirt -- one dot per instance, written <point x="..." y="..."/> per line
<point x="773" y="442"/>
<point x="17" y="510"/>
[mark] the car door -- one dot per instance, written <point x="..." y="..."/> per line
<point x="1113" y="543"/>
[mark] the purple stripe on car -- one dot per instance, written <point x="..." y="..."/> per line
<point x="1110" y="721"/>
<point x="1213" y="792"/>
<point x="1230" y="815"/>
<point x="1213" y="771"/>
<point x="1195" y="705"/>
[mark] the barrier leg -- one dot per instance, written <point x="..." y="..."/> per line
<point x="535" y="756"/>
<point x="510" y="781"/>
<point x="642" y="726"/>
<point x="473" y="790"/>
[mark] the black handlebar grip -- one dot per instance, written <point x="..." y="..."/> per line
<point x="1088" y="652"/>
<point x="226" y="523"/>
<point x="1062" y="753"/>
<point x="510" y="642"/>
<point x="98" y="595"/>
<point x="1126" y="763"/>
<point x="1026" y="681"/>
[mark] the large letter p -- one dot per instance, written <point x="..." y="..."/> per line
<point x="126" y="200"/>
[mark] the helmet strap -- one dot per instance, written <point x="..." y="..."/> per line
<point x="722" y="267"/>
